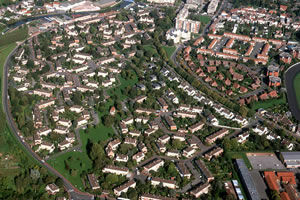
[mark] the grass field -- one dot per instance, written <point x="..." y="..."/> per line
<point x="271" y="102"/>
<point x="297" y="88"/>
<point x="204" y="19"/>
<point x="242" y="155"/>
<point x="14" y="36"/>
<point x="123" y="84"/>
<point x="169" y="50"/>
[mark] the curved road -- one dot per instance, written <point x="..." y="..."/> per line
<point x="74" y="192"/>
<point x="289" y="84"/>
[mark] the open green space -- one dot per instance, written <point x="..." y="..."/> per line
<point x="14" y="36"/>
<point x="202" y="18"/>
<point x="270" y="103"/>
<point x="2" y="27"/>
<point x="297" y="88"/>
<point x="169" y="50"/>
<point x="122" y="84"/>
<point x="150" y="48"/>
<point x="80" y="161"/>
<point x="239" y="155"/>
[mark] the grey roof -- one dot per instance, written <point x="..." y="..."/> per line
<point x="247" y="180"/>
<point x="291" y="156"/>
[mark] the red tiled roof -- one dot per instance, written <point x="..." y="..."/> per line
<point x="271" y="179"/>
<point x="284" y="196"/>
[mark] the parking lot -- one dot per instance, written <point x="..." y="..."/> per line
<point x="263" y="161"/>
<point x="256" y="49"/>
<point x="220" y="44"/>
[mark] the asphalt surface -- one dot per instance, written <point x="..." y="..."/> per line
<point x="74" y="193"/>
<point x="291" y="95"/>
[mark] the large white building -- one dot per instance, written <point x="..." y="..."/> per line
<point x="212" y="7"/>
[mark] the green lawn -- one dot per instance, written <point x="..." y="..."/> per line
<point x="4" y="52"/>
<point x="169" y="50"/>
<point x="271" y="102"/>
<point x="150" y="48"/>
<point x="16" y="35"/>
<point x="2" y="27"/>
<point x="204" y="19"/>
<point x="123" y="84"/>
<point x="242" y="155"/>
<point x="297" y="88"/>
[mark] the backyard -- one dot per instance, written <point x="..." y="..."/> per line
<point x="272" y="102"/>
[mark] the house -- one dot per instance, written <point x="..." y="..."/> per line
<point x="116" y="170"/>
<point x="128" y="121"/>
<point x="93" y="181"/>
<point x="180" y="137"/>
<point x="114" y="144"/>
<point x="130" y="141"/>
<point x="285" y="57"/>
<point x="142" y="147"/>
<point x="164" y="139"/>
<point x="171" y="123"/>
<point x="140" y="99"/>
<point x="161" y="147"/>
<point x="42" y="93"/>
<point x="173" y="153"/>
<point x="260" y="130"/>
<point x="123" y="128"/>
<point x="163" y="105"/>
<point x="243" y="137"/>
<point x="76" y="108"/>
<point x="202" y="189"/>
<point x="124" y="188"/>
<point x="274" y="81"/>
<point x="46" y="146"/>
<point x="154" y="165"/>
<point x="44" y="131"/>
<point x="64" y="122"/>
<point x="150" y="131"/>
<point x="138" y="157"/>
<point x="213" y="137"/>
<point x="52" y="189"/>
<point x="154" y="197"/>
<point x="64" y="145"/>
<point x="134" y="133"/>
<point x="188" y="152"/>
<point x="213" y="153"/>
<point x="193" y="143"/>
<point x="61" y="129"/>
<point x="183" y="171"/>
<point x="205" y="171"/>
<point x="196" y="127"/>
<point x="185" y="114"/>
<point x="165" y="183"/>
<point x="121" y="158"/>
<point x="45" y="104"/>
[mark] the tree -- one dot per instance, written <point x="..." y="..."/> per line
<point x="108" y="120"/>
<point x="274" y="195"/>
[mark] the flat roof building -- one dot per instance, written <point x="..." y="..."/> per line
<point x="291" y="159"/>
<point x="247" y="180"/>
